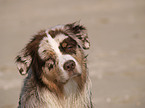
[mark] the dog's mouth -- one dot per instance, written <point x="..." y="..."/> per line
<point x="73" y="74"/>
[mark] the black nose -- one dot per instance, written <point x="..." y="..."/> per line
<point x="69" y="65"/>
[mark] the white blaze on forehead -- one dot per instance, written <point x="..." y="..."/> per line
<point x="59" y="38"/>
<point x="54" y="44"/>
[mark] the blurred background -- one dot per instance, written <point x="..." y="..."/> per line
<point x="116" y="59"/>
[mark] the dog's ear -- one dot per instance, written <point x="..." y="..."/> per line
<point x="80" y="33"/>
<point x="29" y="53"/>
<point x="23" y="62"/>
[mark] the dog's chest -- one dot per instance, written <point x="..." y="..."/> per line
<point x="72" y="98"/>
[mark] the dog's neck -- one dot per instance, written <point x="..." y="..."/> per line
<point x="70" y="88"/>
<point x="72" y="97"/>
<point x="63" y="90"/>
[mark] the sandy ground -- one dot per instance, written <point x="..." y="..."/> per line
<point x="117" y="56"/>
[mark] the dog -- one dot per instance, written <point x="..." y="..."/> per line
<point x="56" y="68"/>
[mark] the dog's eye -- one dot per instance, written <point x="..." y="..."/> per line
<point x="64" y="45"/>
<point x="70" y="47"/>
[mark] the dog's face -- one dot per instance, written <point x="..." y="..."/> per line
<point x="55" y="54"/>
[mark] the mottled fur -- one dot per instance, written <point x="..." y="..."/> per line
<point x="50" y="84"/>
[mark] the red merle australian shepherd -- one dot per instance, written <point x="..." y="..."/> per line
<point x="56" y="69"/>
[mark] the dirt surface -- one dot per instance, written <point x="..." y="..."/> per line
<point x="116" y="59"/>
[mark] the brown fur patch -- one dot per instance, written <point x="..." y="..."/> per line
<point x="68" y="46"/>
<point x="32" y="50"/>
<point x="80" y="32"/>
<point x="53" y="86"/>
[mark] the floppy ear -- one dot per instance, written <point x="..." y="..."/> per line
<point x="23" y="62"/>
<point x="24" y="59"/>
<point x="80" y="33"/>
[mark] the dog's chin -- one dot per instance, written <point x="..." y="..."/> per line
<point x="75" y="75"/>
<point x="70" y="77"/>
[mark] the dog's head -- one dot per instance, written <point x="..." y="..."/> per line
<point x="55" y="54"/>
